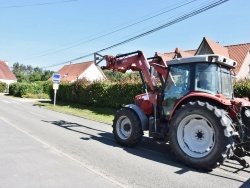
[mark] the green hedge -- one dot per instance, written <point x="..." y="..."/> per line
<point x="36" y="89"/>
<point x="117" y="94"/>
<point x="102" y="94"/>
<point x="2" y="87"/>
<point x="242" y="88"/>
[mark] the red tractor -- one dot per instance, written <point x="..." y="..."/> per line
<point x="190" y="104"/>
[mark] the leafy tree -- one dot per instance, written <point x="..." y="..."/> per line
<point x="46" y="75"/>
<point x="26" y="73"/>
<point x="35" y="77"/>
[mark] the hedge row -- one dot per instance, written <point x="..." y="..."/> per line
<point x="2" y="87"/>
<point x="35" y="90"/>
<point x="102" y="94"/>
<point x="242" y="88"/>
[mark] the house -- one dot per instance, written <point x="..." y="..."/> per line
<point x="239" y="53"/>
<point x="84" y="70"/>
<point x="6" y="75"/>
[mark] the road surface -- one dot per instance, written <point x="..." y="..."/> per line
<point x="44" y="148"/>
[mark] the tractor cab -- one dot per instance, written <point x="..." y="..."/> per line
<point x="209" y="74"/>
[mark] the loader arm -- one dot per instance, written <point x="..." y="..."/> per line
<point x="135" y="61"/>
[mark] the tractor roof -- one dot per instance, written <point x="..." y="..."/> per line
<point x="213" y="58"/>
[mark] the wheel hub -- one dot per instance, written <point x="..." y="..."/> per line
<point x="195" y="136"/>
<point x="127" y="127"/>
<point x="199" y="135"/>
<point x="123" y="127"/>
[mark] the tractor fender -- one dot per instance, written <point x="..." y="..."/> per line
<point x="143" y="118"/>
<point x="202" y="96"/>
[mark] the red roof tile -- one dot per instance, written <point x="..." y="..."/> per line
<point x="238" y="53"/>
<point x="5" y="72"/>
<point x="186" y="53"/>
<point x="71" y="72"/>
<point x="217" y="48"/>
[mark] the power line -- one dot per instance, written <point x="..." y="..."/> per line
<point x="174" y="21"/>
<point x="38" y="4"/>
<point x="112" y="32"/>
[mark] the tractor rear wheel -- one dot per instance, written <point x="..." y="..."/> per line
<point x="201" y="135"/>
<point x="127" y="127"/>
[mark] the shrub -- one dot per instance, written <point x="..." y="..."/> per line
<point x="14" y="89"/>
<point x="2" y="87"/>
<point x="242" y="88"/>
<point x="37" y="89"/>
<point x="102" y="94"/>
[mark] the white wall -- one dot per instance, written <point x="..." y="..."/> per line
<point x="244" y="70"/>
<point x="92" y="74"/>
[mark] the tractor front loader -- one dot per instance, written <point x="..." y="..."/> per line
<point x="189" y="103"/>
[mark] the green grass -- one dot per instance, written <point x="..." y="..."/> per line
<point x="105" y="115"/>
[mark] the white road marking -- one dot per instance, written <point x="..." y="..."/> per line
<point x="89" y="167"/>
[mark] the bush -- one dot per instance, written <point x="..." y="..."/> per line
<point x="242" y="88"/>
<point x="37" y="89"/>
<point x="101" y="94"/>
<point x="2" y="87"/>
<point x="14" y="89"/>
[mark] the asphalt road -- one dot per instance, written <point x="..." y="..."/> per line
<point x="44" y="148"/>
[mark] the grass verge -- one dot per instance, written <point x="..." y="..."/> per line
<point x="105" y="115"/>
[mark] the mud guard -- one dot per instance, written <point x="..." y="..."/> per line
<point x="141" y="115"/>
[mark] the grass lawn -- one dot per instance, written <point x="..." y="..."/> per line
<point x="105" y="115"/>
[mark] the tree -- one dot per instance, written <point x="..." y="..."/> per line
<point x="46" y="75"/>
<point x="26" y="73"/>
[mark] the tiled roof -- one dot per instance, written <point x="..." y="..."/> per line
<point x="217" y="48"/>
<point x="5" y="72"/>
<point x="186" y="53"/>
<point x="71" y="72"/>
<point x="238" y="53"/>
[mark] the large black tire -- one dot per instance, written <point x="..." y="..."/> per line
<point x="201" y="135"/>
<point x="127" y="127"/>
<point x="246" y="121"/>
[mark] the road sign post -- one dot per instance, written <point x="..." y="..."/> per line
<point x="56" y="80"/>
<point x="55" y="87"/>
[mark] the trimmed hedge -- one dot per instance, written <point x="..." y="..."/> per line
<point x="242" y="88"/>
<point x="102" y="94"/>
<point x="2" y="87"/>
<point x="116" y="94"/>
<point x="36" y="89"/>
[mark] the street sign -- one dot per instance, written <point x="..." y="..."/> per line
<point x="55" y="86"/>
<point x="56" y="78"/>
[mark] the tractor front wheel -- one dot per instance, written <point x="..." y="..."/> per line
<point x="201" y="135"/>
<point x="127" y="127"/>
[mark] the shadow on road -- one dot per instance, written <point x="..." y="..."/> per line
<point x="148" y="148"/>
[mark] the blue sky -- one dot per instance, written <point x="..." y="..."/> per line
<point x="33" y="31"/>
